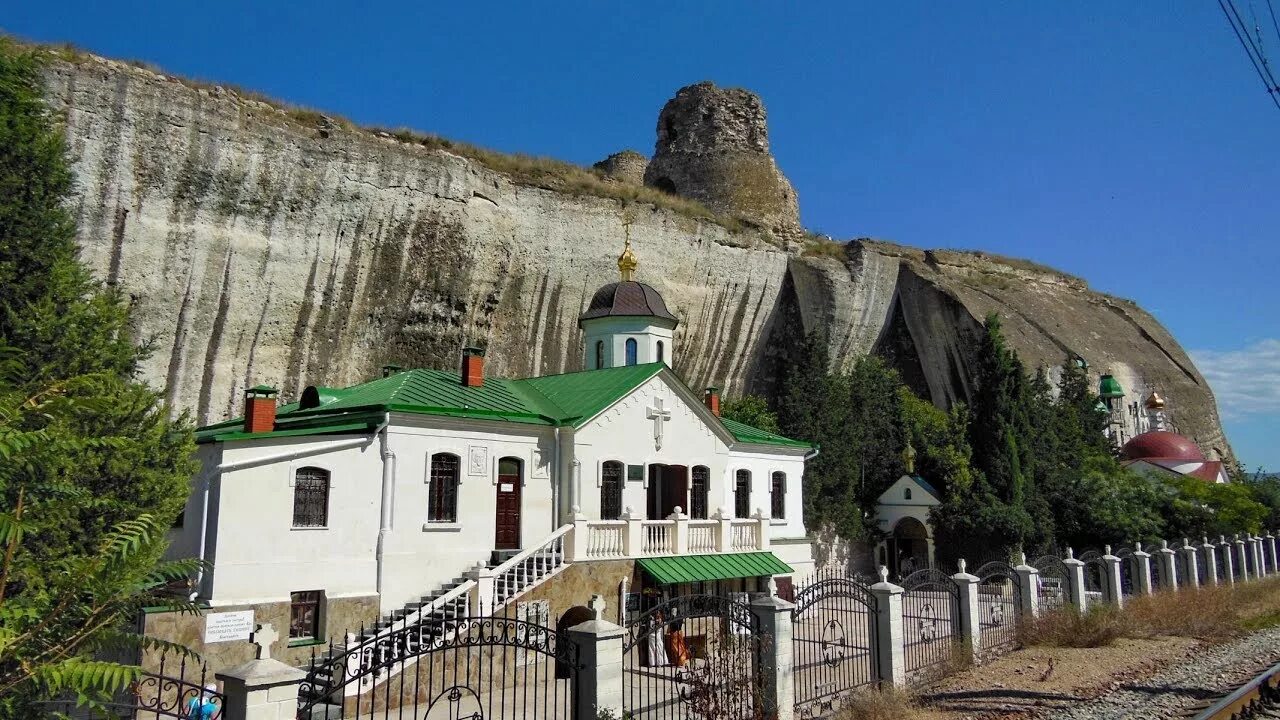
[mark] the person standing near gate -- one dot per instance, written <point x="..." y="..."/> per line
<point x="205" y="705"/>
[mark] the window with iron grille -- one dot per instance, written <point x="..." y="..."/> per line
<point x="442" y="503"/>
<point x="311" y="497"/>
<point x="778" y="496"/>
<point x="611" y="491"/>
<point x="304" y="614"/>
<point x="599" y="354"/>
<point x="742" y="494"/>
<point x="698" y="492"/>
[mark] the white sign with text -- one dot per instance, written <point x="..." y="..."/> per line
<point x="227" y="626"/>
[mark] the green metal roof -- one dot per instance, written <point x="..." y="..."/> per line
<point x="567" y="399"/>
<point x="704" y="568"/>
<point x="1108" y="386"/>
<point x="747" y="434"/>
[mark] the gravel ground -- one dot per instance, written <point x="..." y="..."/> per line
<point x="1212" y="671"/>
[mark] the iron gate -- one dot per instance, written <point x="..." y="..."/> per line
<point x="833" y="643"/>
<point x="1159" y="581"/>
<point x="459" y="668"/>
<point x="931" y="626"/>
<point x="693" y="656"/>
<point x="1128" y="571"/>
<point x="1095" y="578"/>
<point x="999" y="602"/>
<point x="1053" y="582"/>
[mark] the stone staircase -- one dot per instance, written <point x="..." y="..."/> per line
<point x="372" y="655"/>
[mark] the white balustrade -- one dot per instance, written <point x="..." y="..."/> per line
<point x="606" y="539"/>
<point x="529" y="568"/>
<point x="744" y="535"/>
<point x="658" y="536"/>
<point x="702" y="536"/>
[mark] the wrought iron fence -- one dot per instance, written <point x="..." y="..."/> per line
<point x="833" y="643"/>
<point x="1053" y="584"/>
<point x="999" y="601"/>
<point x="931" y="627"/>
<point x="178" y="689"/>
<point x="1159" y="577"/>
<point x="693" y="656"/>
<point x="461" y="667"/>
<point x="1095" y="577"/>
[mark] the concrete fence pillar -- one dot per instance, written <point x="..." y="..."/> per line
<point x="581" y="536"/>
<point x="889" y="629"/>
<point x="600" y="677"/>
<point x="970" y="614"/>
<point x="1112" y="589"/>
<point x="263" y="688"/>
<point x="724" y="530"/>
<point x="1259" y="563"/>
<point x="1210" y="563"/>
<point x="633" y="540"/>
<point x="777" y="674"/>
<point x="762" y="529"/>
<point x="1228" y="559"/>
<point x="1142" y="563"/>
<point x="1191" y="560"/>
<point x="679" y="532"/>
<point x="1242" y="563"/>
<point x="1075" y="582"/>
<point x="1168" y="565"/>
<point x="1269" y="549"/>
<point x="482" y="594"/>
<point x="1028" y="589"/>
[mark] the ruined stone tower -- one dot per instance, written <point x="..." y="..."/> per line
<point x="713" y="147"/>
<point x="626" y="166"/>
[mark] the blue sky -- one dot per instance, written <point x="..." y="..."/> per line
<point x="1131" y="146"/>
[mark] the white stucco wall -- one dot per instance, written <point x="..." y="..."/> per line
<point x="614" y="331"/>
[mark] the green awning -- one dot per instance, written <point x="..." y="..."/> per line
<point x="703" y="568"/>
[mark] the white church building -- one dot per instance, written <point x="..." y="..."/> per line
<point x="412" y="487"/>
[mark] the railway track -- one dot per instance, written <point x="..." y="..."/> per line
<point x="1258" y="698"/>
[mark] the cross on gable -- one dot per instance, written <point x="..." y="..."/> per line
<point x="264" y="637"/>
<point x="658" y="415"/>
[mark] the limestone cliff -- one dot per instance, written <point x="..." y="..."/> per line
<point x="261" y="247"/>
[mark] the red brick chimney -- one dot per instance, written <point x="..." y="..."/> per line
<point x="472" y="367"/>
<point x="711" y="396"/>
<point x="260" y="409"/>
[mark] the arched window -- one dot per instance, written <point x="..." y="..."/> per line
<point x="698" y="492"/>
<point x="599" y="354"/>
<point x="778" y="496"/>
<point x="611" y="490"/>
<point x="906" y="494"/>
<point x="742" y="494"/>
<point x="442" y="503"/>
<point x="311" y="497"/>
<point x="631" y="351"/>
<point x="662" y="354"/>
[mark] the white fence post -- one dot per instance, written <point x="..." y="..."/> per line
<point x="1192" y="561"/>
<point x="970" y="611"/>
<point x="263" y="688"/>
<point x="1168" y="566"/>
<point x="777" y="674"/>
<point x="679" y="532"/>
<point x="600" y="677"/>
<point x="724" y="530"/>
<point x="762" y="530"/>
<point x="482" y="594"/>
<point x="1242" y="564"/>
<point x="1269" y="548"/>
<point x="1142" y="560"/>
<point x="633" y="539"/>
<point x="1114" y="593"/>
<point x="581" y="536"/>
<point x="1028" y="588"/>
<point x="1259" y="564"/>
<point x="889" y="629"/>
<point x="1210" y="563"/>
<point x="1075" y="582"/>
<point x="1228" y="559"/>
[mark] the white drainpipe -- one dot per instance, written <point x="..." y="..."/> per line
<point x="207" y="482"/>
<point x="388" y="497"/>
<point x="555" y="486"/>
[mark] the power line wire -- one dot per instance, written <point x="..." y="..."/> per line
<point x="1245" y="43"/>
<point x="1272" y="85"/>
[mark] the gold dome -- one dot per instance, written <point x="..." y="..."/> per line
<point x="1155" y="402"/>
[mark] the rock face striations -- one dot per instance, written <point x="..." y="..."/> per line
<point x="259" y="245"/>
<point x="713" y="147"/>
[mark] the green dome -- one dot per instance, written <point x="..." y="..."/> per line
<point x="1109" y="387"/>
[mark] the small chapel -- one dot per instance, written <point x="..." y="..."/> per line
<point x="362" y="504"/>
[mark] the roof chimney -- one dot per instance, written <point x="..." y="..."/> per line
<point x="389" y="370"/>
<point x="259" y="409"/>
<point x="711" y="397"/>
<point x="472" y="367"/>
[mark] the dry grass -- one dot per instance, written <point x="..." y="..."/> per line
<point x="886" y="704"/>
<point x="816" y="245"/>
<point x="1213" y="613"/>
